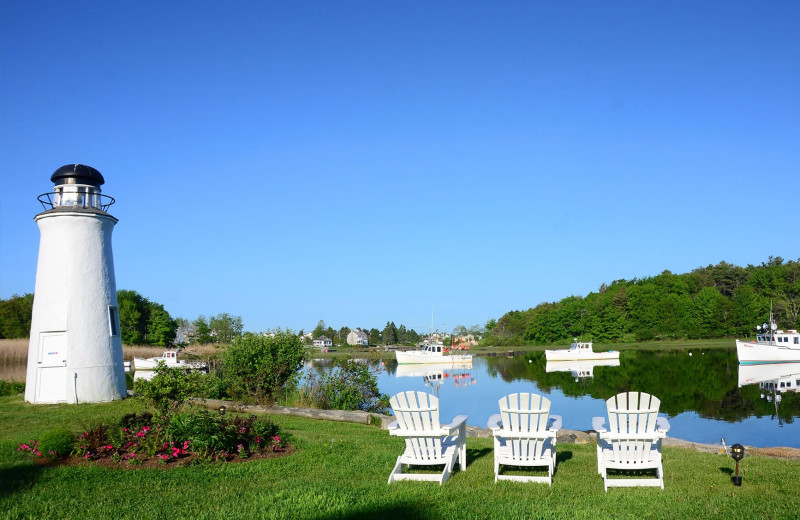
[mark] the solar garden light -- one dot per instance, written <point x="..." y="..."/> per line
<point x="222" y="409"/>
<point x="737" y="452"/>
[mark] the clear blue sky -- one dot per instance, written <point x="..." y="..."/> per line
<point x="359" y="162"/>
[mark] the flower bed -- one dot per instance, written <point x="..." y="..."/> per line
<point x="185" y="438"/>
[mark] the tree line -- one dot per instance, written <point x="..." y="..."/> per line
<point x="390" y="335"/>
<point x="142" y="322"/>
<point x="716" y="301"/>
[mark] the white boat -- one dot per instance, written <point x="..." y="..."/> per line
<point x="579" y="350"/>
<point x="770" y="346"/>
<point x="435" y="353"/>
<point x="580" y="369"/>
<point x="170" y="359"/>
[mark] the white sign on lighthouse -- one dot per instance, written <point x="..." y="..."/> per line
<point x="75" y="350"/>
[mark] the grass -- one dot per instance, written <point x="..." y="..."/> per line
<point x="340" y="470"/>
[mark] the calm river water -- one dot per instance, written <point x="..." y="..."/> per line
<point x="700" y="391"/>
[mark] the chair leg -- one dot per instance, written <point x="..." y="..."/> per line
<point x="398" y="469"/>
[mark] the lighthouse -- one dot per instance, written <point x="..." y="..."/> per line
<point x="75" y="349"/>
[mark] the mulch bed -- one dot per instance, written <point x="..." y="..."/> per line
<point x="144" y="462"/>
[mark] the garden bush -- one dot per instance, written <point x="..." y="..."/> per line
<point x="11" y="387"/>
<point x="260" y="368"/>
<point x="171" y="388"/>
<point x="212" y="434"/>
<point x="349" y="385"/>
<point x="57" y="443"/>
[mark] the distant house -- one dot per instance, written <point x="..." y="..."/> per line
<point x="357" y="337"/>
<point x="322" y="341"/>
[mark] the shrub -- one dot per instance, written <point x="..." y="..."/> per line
<point x="212" y="434"/>
<point x="349" y="385"/>
<point x="169" y="389"/>
<point x="11" y="388"/>
<point x="260" y="368"/>
<point x="57" y="443"/>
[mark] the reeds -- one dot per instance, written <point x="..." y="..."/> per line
<point x="13" y="359"/>
<point x="14" y="350"/>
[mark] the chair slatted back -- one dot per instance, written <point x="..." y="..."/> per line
<point x="419" y="412"/>
<point x="632" y="414"/>
<point x="525" y="414"/>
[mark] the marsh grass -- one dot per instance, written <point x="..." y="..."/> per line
<point x="14" y="350"/>
<point x="340" y="470"/>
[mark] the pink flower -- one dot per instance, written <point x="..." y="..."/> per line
<point x="86" y="456"/>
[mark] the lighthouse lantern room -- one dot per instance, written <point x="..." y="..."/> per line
<point x="75" y="349"/>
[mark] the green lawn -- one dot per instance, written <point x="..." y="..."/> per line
<point x="340" y="470"/>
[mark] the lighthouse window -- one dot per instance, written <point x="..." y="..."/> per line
<point x="113" y="321"/>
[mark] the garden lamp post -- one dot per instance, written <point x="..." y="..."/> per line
<point x="737" y="453"/>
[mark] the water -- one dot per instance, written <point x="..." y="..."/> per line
<point x="700" y="393"/>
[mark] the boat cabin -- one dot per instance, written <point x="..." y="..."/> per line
<point x="581" y="346"/>
<point x="780" y="337"/>
<point x="433" y="349"/>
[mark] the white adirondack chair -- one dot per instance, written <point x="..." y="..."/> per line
<point x="428" y="443"/>
<point x="632" y="440"/>
<point x="525" y="435"/>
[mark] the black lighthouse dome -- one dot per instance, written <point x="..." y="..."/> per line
<point x="77" y="174"/>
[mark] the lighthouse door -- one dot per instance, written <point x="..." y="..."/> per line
<point x="51" y="373"/>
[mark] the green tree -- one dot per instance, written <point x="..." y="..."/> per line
<point x="132" y="317"/>
<point x="490" y="325"/>
<point x="341" y="336"/>
<point x="224" y="328"/>
<point x="389" y="334"/>
<point x="374" y="337"/>
<point x="319" y="330"/>
<point x="161" y="328"/>
<point x="202" y="332"/>
<point x="15" y="316"/>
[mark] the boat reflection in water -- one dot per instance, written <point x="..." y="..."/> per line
<point x="773" y="380"/>
<point x="580" y="369"/>
<point x="434" y="375"/>
<point x="782" y="377"/>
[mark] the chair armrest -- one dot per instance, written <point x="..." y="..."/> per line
<point x="456" y="423"/>
<point x="555" y="423"/>
<point x="599" y="424"/>
<point x="662" y="424"/>
<point x="494" y="422"/>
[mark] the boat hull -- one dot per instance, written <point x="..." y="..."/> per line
<point x="152" y="363"/>
<point x="417" y="358"/>
<point x="761" y="353"/>
<point x="571" y="355"/>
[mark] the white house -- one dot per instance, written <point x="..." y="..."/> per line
<point x="357" y="337"/>
<point x="322" y="341"/>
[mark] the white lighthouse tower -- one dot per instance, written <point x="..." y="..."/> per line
<point x="75" y="350"/>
